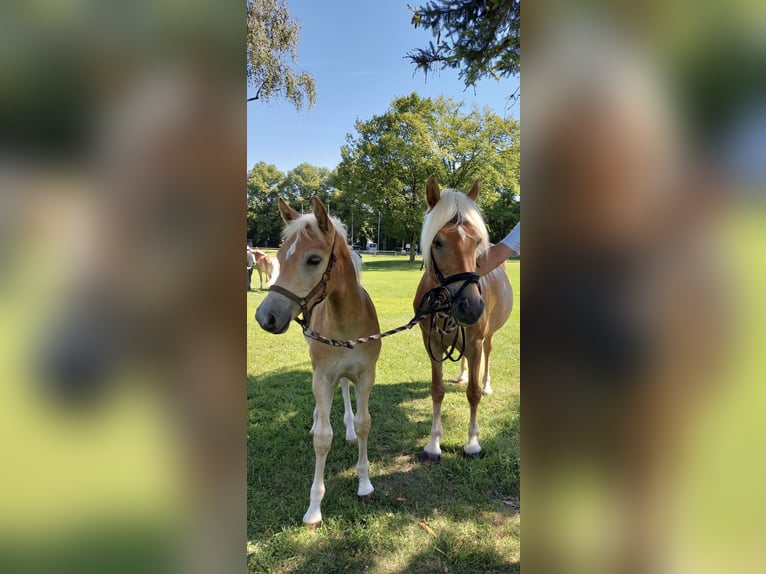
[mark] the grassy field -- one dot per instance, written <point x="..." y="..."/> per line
<point x="453" y="517"/>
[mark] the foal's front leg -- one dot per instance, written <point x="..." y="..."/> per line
<point x="323" y="391"/>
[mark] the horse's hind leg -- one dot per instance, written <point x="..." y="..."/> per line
<point x="313" y="428"/>
<point x="362" y="422"/>
<point x="487" y="387"/>
<point x="323" y="391"/>
<point x="463" y="378"/>
<point x="348" y="411"/>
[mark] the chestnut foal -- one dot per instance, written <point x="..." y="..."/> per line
<point x="319" y="277"/>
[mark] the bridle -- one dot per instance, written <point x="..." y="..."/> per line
<point x="439" y="299"/>
<point x="307" y="308"/>
<point x="468" y="278"/>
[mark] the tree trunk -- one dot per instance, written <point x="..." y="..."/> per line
<point x="412" y="249"/>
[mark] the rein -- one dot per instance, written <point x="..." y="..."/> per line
<point x="450" y="325"/>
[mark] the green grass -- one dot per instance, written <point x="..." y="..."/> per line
<point x="460" y="501"/>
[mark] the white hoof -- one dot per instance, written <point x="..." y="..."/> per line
<point x="365" y="489"/>
<point x="487" y="390"/>
<point x="473" y="448"/>
<point x="312" y="518"/>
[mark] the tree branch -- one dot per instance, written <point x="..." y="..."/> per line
<point x="257" y="94"/>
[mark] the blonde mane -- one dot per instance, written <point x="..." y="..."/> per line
<point x="307" y="224"/>
<point x="457" y="206"/>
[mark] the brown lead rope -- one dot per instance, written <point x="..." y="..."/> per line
<point x="351" y="343"/>
<point x="438" y="299"/>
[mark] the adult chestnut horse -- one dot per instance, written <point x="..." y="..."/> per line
<point x="320" y="278"/>
<point x="453" y="235"/>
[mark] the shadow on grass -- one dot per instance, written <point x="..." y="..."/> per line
<point x="460" y="495"/>
<point x="335" y="554"/>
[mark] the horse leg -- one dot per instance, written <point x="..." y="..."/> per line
<point x="432" y="452"/>
<point x="313" y="428"/>
<point x="487" y="388"/>
<point x="472" y="448"/>
<point x="348" y="412"/>
<point x="362" y="423"/>
<point x="323" y="391"/>
<point x="463" y="378"/>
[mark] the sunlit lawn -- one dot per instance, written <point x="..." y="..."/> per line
<point x="451" y="517"/>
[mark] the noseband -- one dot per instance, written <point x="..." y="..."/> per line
<point x="467" y="277"/>
<point x="439" y="302"/>
<point x="320" y="288"/>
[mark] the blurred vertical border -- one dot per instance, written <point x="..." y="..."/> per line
<point x="122" y="331"/>
<point x="644" y="170"/>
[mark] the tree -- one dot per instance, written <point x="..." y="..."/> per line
<point x="478" y="37"/>
<point x="272" y="51"/>
<point x="386" y="163"/>
<point x="265" y="183"/>
<point x="384" y="166"/>
<point x="263" y="222"/>
<point x="305" y="181"/>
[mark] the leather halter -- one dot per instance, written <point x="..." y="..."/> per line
<point x="321" y="288"/>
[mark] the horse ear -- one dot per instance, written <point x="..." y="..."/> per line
<point x="432" y="192"/>
<point x="473" y="193"/>
<point x="320" y="212"/>
<point x="287" y="212"/>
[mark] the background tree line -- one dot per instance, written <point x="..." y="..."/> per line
<point x="384" y="165"/>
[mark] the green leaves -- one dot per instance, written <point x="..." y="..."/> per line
<point x="481" y="38"/>
<point x="386" y="162"/>
<point x="265" y="183"/>
<point x="272" y="51"/>
<point x="384" y="167"/>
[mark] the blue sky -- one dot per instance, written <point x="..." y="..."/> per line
<point x="355" y="51"/>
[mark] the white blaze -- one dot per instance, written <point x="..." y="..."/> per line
<point x="292" y="248"/>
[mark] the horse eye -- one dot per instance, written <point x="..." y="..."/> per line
<point x="437" y="243"/>
<point x="314" y="260"/>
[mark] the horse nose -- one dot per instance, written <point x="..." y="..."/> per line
<point x="272" y="320"/>
<point x="468" y="310"/>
